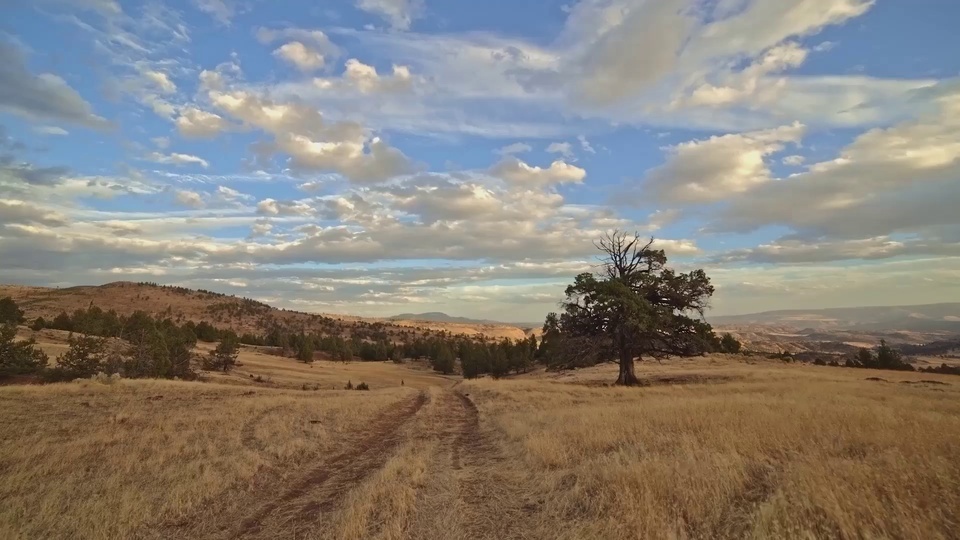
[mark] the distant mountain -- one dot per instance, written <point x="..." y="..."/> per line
<point x="923" y="318"/>
<point x="436" y="316"/>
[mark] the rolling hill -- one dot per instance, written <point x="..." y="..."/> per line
<point x="921" y="318"/>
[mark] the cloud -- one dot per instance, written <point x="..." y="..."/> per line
<point x="515" y="148"/>
<point x="160" y="80"/>
<point x="562" y="148"/>
<point x="51" y="130"/>
<point x="197" y="124"/>
<point x="585" y="144"/>
<point x="191" y="199"/>
<point x="313" y="145"/>
<point x="27" y="173"/>
<point x="363" y="78"/>
<point x="793" y="160"/>
<point x="559" y="172"/>
<point x="301" y="56"/>
<point x="794" y="251"/>
<point x="399" y="13"/>
<point x="44" y="96"/>
<point x="716" y="168"/>
<point x="896" y="179"/>
<point x="221" y="10"/>
<point x="12" y="211"/>
<point x="177" y="159"/>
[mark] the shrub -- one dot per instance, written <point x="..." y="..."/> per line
<point x="362" y="386"/>
<point x="349" y="385"/>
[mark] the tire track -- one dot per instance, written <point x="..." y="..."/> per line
<point x="322" y="487"/>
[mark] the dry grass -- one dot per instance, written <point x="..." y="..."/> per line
<point x="771" y="452"/>
<point x="91" y="460"/>
<point x="713" y="448"/>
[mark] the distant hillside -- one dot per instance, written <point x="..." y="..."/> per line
<point x="437" y="316"/>
<point x="223" y="311"/>
<point x="922" y="318"/>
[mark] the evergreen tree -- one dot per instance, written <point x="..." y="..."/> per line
<point x="86" y="357"/>
<point x="224" y="357"/>
<point x="10" y="312"/>
<point x="19" y="357"/>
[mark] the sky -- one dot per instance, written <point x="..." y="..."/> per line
<point x="375" y="157"/>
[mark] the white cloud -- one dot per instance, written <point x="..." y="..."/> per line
<point x="177" y="159"/>
<point x="585" y="144"/>
<point x="191" y="199"/>
<point x="516" y="171"/>
<point x="719" y="167"/>
<point x="300" y="132"/>
<point x="301" y="56"/>
<point x="364" y="78"/>
<point x="51" y="130"/>
<point x="160" y="80"/>
<point x="562" y="148"/>
<point x="515" y="148"/>
<point x="793" y="160"/>
<point x="221" y="10"/>
<point x="399" y="13"/>
<point x="198" y="124"/>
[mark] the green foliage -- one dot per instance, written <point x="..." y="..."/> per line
<point x="637" y="307"/>
<point x="38" y="324"/>
<point x="729" y="344"/>
<point x="10" y="312"/>
<point x="305" y="352"/>
<point x="19" y="357"/>
<point x="86" y="357"/>
<point x="224" y="357"/>
<point x="443" y="359"/>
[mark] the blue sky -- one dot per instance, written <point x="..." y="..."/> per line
<point x="382" y="156"/>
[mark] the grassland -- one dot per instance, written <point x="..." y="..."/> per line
<point x="712" y="448"/>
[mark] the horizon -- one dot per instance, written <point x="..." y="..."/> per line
<point x="405" y="156"/>
<point x="494" y="320"/>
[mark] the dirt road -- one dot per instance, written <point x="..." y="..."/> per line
<point x="442" y="469"/>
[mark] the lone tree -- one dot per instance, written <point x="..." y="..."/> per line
<point x="634" y="307"/>
<point x="224" y="357"/>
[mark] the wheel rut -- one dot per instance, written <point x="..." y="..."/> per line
<point x="321" y="488"/>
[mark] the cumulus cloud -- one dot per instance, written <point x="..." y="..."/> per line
<point x="714" y="169"/>
<point x="198" y="124"/>
<point x="559" y="172"/>
<point x="365" y="79"/>
<point x="312" y="144"/>
<point x="191" y="199"/>
<point x="44" y="96"/>
<point x="301" y="56"/>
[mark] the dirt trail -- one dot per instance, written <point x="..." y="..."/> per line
<point x="275" y="510"/>
<point x="464" y="496"/>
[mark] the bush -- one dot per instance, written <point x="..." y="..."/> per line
<point x="349" y="385"/>
<point x="362" y="386"/>
<point x="38" y="324"/>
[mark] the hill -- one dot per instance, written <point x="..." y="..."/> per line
<point x="241" y="315"/>
<point x="922" y="318"/>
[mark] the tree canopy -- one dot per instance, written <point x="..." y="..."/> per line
<point x="633" y="307"/>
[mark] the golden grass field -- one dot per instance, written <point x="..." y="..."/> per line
<point x="713" y="448"/>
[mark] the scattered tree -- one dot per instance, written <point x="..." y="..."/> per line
<point x="729" y="344"/>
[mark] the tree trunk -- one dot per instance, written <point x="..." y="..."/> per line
<point x="627" y="376"/>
